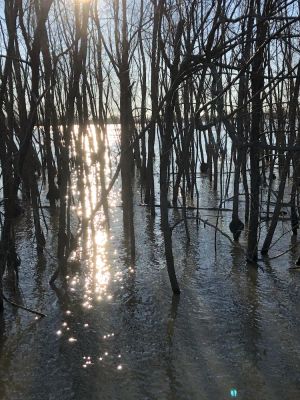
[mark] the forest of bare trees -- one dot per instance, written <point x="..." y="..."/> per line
<point x="196" y="87"/>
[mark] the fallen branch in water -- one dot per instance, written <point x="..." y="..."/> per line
<point x="190" y="208"/>
<point x="205" y="222"/>
<point x="40" y="314"/>
<point x="234" y="243"/>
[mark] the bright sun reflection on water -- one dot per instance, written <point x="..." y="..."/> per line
<point x="91" y="175"/>
<point x="87" y="189"/>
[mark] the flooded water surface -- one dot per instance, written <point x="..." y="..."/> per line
<point x="114" y="331"/>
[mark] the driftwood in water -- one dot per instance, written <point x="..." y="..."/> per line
<point x="191" y="208"/>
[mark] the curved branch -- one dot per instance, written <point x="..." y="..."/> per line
<point x="40" y="314"/>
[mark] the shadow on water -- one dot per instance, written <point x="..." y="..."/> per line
<point x="172" y="319"/>
<point x="2" y="332"/>
<point x="170" y="367"/>
<point x="250" y="321"/>
<point x="2" y="352"/>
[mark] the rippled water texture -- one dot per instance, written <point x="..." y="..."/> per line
<point x="114" y="331"/>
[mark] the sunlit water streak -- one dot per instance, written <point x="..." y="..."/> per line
<point x="113" y="330"/>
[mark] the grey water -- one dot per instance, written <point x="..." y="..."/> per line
<point x="113" y="330"/>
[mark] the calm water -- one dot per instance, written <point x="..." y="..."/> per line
<point x="114" y="331"/>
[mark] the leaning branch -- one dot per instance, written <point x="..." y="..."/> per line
<point x="40" y="314"/>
